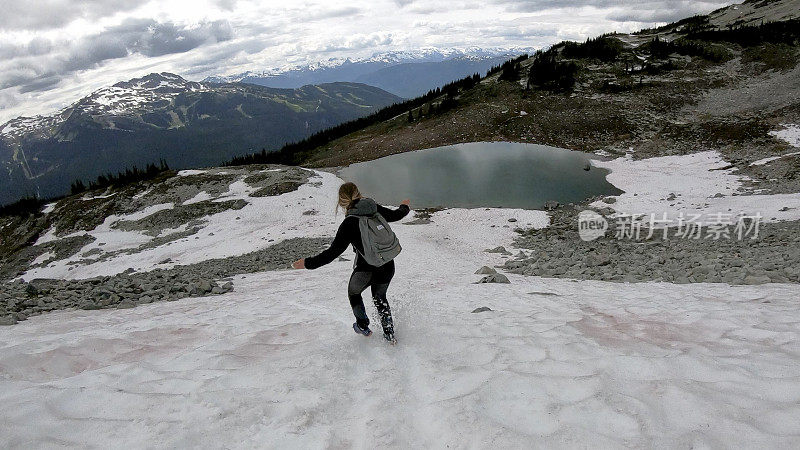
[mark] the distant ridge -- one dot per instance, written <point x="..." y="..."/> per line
<point x="404" y="73"/>
<point x="163" y="116"/>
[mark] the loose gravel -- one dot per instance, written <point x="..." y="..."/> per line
<point x="558" y="251"/>
<point x="20" y="300"/>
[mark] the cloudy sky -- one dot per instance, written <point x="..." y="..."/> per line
<point x="53" y="52"/>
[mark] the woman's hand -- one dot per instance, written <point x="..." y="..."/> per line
<point x="406" y="202"/>
<point x="299" y="264"/>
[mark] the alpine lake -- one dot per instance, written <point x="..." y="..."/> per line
<point x="481" y="174"/>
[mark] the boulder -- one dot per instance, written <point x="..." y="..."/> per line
<point x="89" y="305"/>
<point x="7" y="320"/>
<point x="495" y="278"/>
<point x="205" y="286"/>
<point x="419" y="221"/>
<point x="550" y="205"/>
<point x="31" y="289"/>
<point x="485" y="270"/>
<point x="754" y="279"/>
<point x="499" y="249"/>
<point x="481" y="309"/>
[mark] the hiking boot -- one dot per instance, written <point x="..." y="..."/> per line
<point x="365" y="331"/>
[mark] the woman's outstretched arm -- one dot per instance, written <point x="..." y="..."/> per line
<point x="338" y="246"/>
<point x="393" y="215"/>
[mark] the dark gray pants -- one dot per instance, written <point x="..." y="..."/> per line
<point x="378" y="279"/>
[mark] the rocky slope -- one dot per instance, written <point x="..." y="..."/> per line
<point x="97" y="230"/>
<point x="163" y="116"/>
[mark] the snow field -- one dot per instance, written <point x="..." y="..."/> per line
<point x="264" y="221"/>
<point x="694" y="179"/>
<point x="557" y="363"/>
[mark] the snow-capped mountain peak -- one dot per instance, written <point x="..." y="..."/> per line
<point x="20" y="126"/>
<point x="382" y="59"/>
<point x="125" y="98"/>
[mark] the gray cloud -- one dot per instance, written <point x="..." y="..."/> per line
<point x="44" y="14"/>
<point x="334" y="13"/>
<point x="41" y="84"/>
<point x="442" y="7"/>
<point x="38" y="65"/>
<point x="227" y="5"/>
<point x="357" y="43"/>
<point x="8" y="99"/>
<point x="150" y="38"/>
<point x="521" y="33"/>
<point x="225" y="52"/>
<point x="36" y="46"/>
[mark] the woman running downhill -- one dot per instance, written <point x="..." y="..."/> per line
<point x="378" y="276"/>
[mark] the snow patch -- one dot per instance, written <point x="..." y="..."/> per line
<point x="143" y="193"/>
<point x="96" y="197"/>
<point x="236" y="190"/>
<point x="48" y="208"/>
<point x="107" y="239"/>
<point x="790" y="133"/>
<point x="42" y="258"/>
<point x="761" y="162"/>
<point x="50" y="235"/>
<point x="138" y="215"/>
<point x="694" y="180"/>
<point x="189" y="172"/>
<point x="200" y="197"/>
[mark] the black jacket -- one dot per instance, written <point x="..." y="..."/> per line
<point x="349" y="234"/>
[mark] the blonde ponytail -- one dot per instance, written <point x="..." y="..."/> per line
<point x="348" y="194"/>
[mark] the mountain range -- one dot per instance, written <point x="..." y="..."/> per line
<point x="407" y="74"/>
<point x="163" y="116"/>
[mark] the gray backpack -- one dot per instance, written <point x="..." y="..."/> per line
<point x="380" y="243"/>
